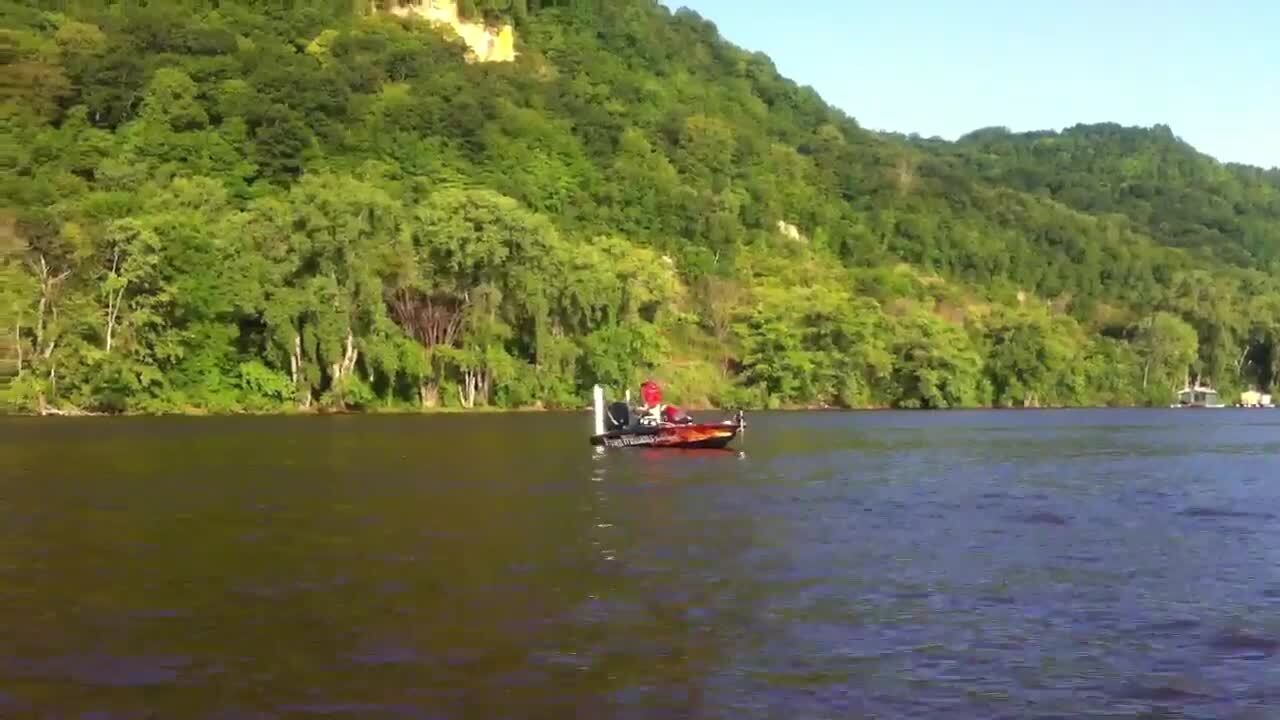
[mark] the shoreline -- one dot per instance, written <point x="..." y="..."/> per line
<point x="585" y="410"/>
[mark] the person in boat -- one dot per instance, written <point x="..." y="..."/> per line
<point x="655" y="411"/>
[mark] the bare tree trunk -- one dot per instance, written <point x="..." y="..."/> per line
<point x="48" y="284"/>
<point x="113" y="301"/>
<point x="111" y="318"/>
<point x="41" y="403"/>
<point x="429" y="394"/>
<point x="44" y="299"/>
<point x="467" y="390"/>
<point x="350" y="356"/>
<point x="303" y="395"/>
<point x="340" y="370"/>
<point x="53" y="373"/>
<point x="17" y="344"/>
<point x="343" y="367"/>
<point x="295" y="360"/>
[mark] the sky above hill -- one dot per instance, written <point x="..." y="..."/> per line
<point x="1210" y="71"/>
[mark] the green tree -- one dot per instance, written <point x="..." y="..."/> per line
<point x="239" y="205"/>
<point x="935" y="365"/>
<point x="1032" y="359"/>
<point x="1168" y="348"/>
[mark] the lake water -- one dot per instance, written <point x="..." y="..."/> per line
<point x="1035" y="564"/>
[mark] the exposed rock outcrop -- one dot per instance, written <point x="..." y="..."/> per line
<point x="487" y="43"/>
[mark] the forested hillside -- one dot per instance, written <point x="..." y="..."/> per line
<point x="1169" y="190"/>
<point x="235" y="206"/>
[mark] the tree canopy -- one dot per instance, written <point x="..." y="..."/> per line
<point x="229" y="206"/>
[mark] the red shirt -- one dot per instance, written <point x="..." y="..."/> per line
<point x="650" y="394"/>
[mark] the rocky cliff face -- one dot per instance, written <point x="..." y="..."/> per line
<point x="487" y="43"/>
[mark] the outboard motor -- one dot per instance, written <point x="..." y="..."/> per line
<point x="617" y="417"/>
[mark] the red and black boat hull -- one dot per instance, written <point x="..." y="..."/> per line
<point x="691" y="436"/>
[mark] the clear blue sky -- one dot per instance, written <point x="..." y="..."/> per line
<point x="1210" y="69"/>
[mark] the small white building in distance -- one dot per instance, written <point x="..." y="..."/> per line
<point x="1253" y="398"/>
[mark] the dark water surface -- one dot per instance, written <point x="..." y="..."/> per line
<point x="1057" y="564"/>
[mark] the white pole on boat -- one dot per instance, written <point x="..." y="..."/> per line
<point x="597" y="393"/>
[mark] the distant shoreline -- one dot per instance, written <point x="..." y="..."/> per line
<point x="582" y="410"/>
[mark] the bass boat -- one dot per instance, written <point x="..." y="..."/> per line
<point x="616" y="428"/>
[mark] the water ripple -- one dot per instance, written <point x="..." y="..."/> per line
<point x="966" y="565"/>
